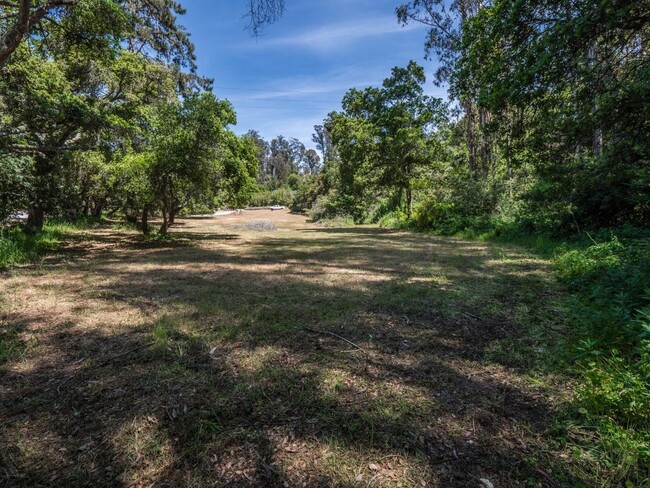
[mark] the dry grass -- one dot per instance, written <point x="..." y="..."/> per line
<point x="187" y="363"/>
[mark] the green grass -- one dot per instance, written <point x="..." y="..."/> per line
<point x="230" y="383"/>
<point x="18" y="247"/>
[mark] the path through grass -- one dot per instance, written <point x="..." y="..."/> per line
<point x="188" y="362"/>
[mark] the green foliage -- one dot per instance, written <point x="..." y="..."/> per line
<point x="612" y="294"/>
<point x="386" y="138"/>
<point x="618" y="391"/>
<point x="397" y="219"/>
<point x="265" y="197"/>
<point x="17" y="247"/>
<point x="584" y="266"/>
<point x="15" y="183"/>
<point x="309" y="189"/>
<point x="609" y="313"/>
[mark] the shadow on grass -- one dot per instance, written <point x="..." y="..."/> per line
<point x="225" y="386"/>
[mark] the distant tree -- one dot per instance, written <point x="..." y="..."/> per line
<point x="323" y="140"/>
<point x="263" y="153"/>
<point x="312" y="160"/>
<point x="281" y="159"/>
<point x="297" y="154"/>
<point x="386" y="135"/>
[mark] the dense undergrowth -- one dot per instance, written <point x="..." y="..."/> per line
<point x="607" y="277"/>
<point x="609" y="313"/>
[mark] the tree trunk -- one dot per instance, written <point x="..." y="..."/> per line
<point x="35" y="219"/>
<point x="484" y="119"/>
<point x="165" y="223"/>
<point x="409" y="202"/>
<point x="145" y="221"/>
<point x="98" y="209"/>
<point x="470" y="136"/>
<point x="597" y="137"/>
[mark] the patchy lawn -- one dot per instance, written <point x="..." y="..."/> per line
<point x="217" y="359"/>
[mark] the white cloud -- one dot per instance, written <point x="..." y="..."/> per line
<point x="333" y="36"/>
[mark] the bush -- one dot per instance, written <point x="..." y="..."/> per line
<point x="610" y="315"/>
<point x="395" y="220"/>
<point x="587" y="264"/>
<point x="17" y="247"/>
<point x="307" y="193"/>
<point x="432" y="214"/>
<point x="610" y="308"/>
<point x="264" y="198"/>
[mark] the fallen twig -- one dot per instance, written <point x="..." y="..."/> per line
<point x="141" y="346"/>
<point x="104" y="363"/>
<point x="548" y="478"/>
<point x="327" y="332"/>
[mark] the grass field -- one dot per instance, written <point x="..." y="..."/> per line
<point x="217" y="358"/>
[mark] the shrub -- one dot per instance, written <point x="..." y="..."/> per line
<point x="432" y="214"/>
<point x="264" y="198"/>
<point x="17" y="247"/>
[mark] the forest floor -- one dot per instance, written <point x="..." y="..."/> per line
<point x="217" y="358"/>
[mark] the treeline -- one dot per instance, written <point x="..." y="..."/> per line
<point x="285" y="167"/>
<point x="547" y="127"/>
<point x="102" y="112"/>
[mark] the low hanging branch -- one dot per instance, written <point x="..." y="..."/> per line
<point x="27" y="16"/>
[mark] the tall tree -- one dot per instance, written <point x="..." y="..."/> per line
<point x="567" y="84"/>
<point x="281" y="160"/>
<point x="323" y="140"/>
<point x="312" y="160"/>
<point x="390" y="131"/>
<point x="297" y="154"/>
<point x="446" y="22"/>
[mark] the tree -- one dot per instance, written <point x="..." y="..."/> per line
<point x="185" y="146"/>
<point x="78" y="102"/>
<point x="152" y="23"/>
<point x="323" y="140"/>
<point x="566" y="84"/>
<point x="312" y="160"/>
<point x="446" y="23"/>
<point x="263" y="153"/>
<point x="297" y="154"/>
<point x="389" y="133"/>
<point x="281" y="159"/>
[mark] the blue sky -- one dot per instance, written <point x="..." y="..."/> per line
<point x="290" y="77"/>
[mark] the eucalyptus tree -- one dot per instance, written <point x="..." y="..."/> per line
<point x="446" y="22"/>
<point x="323" y="140"/>
<point x="298" y="151"/>
<point x="312" y="161"/>
<point x="567" y="83"/>
<point x="281" y="159"/>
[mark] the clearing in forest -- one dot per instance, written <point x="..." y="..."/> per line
<point x="217" y="359"/>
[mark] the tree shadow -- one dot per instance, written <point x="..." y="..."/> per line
<point x="224" y="386"/>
